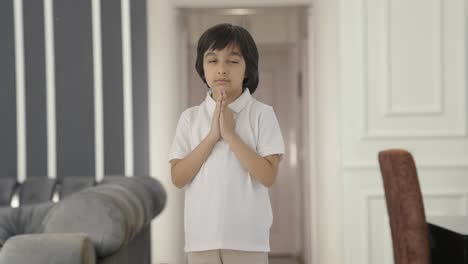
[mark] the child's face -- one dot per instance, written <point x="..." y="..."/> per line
<point x="224" y="69"/>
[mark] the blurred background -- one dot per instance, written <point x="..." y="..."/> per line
<point x="95" y="88"/>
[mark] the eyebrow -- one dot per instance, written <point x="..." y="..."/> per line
<point x="233" y="53"/>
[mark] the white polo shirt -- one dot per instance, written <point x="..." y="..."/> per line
<point x="225" y="207"/>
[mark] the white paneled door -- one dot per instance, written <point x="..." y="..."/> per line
<point x="279" y="88"/>
<point x="403" y="85"/>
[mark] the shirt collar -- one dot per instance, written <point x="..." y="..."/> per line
<point x="235" y="106"/>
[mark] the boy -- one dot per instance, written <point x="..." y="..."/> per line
<point x="226" y="153"/>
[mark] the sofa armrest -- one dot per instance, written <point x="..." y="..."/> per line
<point x="48" y="249"/>
<point x="111" y="214"/>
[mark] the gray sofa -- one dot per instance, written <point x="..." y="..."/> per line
<point x="104" y="223"/>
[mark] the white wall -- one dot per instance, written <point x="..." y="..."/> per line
<point x="165" y="105"/>
<point x="403" y="84"/>
<point x="324" y="128"/>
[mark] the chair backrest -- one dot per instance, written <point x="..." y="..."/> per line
<point x="405" y="207"/>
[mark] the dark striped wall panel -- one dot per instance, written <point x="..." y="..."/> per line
<point x="112" y="87"/>
<point x="140" y="96"/>
<point x="35" y="88"/>
<point x="74" y="88"/>
<point x="8" y="150"/>
<point x="140" y="87"/>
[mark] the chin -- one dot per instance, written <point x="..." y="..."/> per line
<point x="223" y="87"/>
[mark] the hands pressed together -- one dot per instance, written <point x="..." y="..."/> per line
<point x="223" y="123"/>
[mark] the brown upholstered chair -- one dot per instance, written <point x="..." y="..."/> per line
<point x="405" y="207"/>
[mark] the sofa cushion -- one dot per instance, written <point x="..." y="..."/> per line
<point x="73" y="184"/>
<point x="36" y="190"/>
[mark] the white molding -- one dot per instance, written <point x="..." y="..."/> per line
<point x="369" y="165"/>
<point x="370" y="133"/>
<point x="365" y="224"/>
<point x="20" y="91"/>
<point x="436" y="109"/>
<point x="366" y="198"/>
<point x="429" y="111"/>
<point x="365" y="66"/>
<point x="98" y="91"/>
<point x="127" y="87"/>
<point x="464" y="69"/>
<point x="50" y="88"/>
<point x="372" y="195"/>
<point x="310" y="195"/>
<point x="377" y="194"/>
<point x="387" y="243"/>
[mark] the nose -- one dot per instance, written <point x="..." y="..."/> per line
<point x="222" y="70"/>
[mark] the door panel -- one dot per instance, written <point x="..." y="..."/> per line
<point x="404" y="85"/>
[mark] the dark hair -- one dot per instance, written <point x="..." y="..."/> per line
<point x="222" y="35"/>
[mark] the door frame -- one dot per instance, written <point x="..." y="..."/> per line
<point x="323" y="192"/>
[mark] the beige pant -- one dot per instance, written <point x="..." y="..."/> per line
<point x="227" y="256"/>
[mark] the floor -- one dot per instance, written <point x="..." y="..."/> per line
<point x="283" y="260"/>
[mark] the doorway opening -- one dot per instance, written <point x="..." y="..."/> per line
<point x="281" y="37"/>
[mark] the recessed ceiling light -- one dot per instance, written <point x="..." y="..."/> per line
<point x="240" y="11"/>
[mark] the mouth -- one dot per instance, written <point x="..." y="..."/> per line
<point x="222" y="81"/>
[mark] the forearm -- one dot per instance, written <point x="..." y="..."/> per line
<point x="185" y="169"/>
<point x="256" y="165"/>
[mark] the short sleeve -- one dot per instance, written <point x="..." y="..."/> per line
<point x="270" y="140"/>
<point x="181" y="144"/>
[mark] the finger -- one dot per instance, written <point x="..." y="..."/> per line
<point x="218" y="106"/>
<point x="223" y="105"/>
<point x="217" y="111"/>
